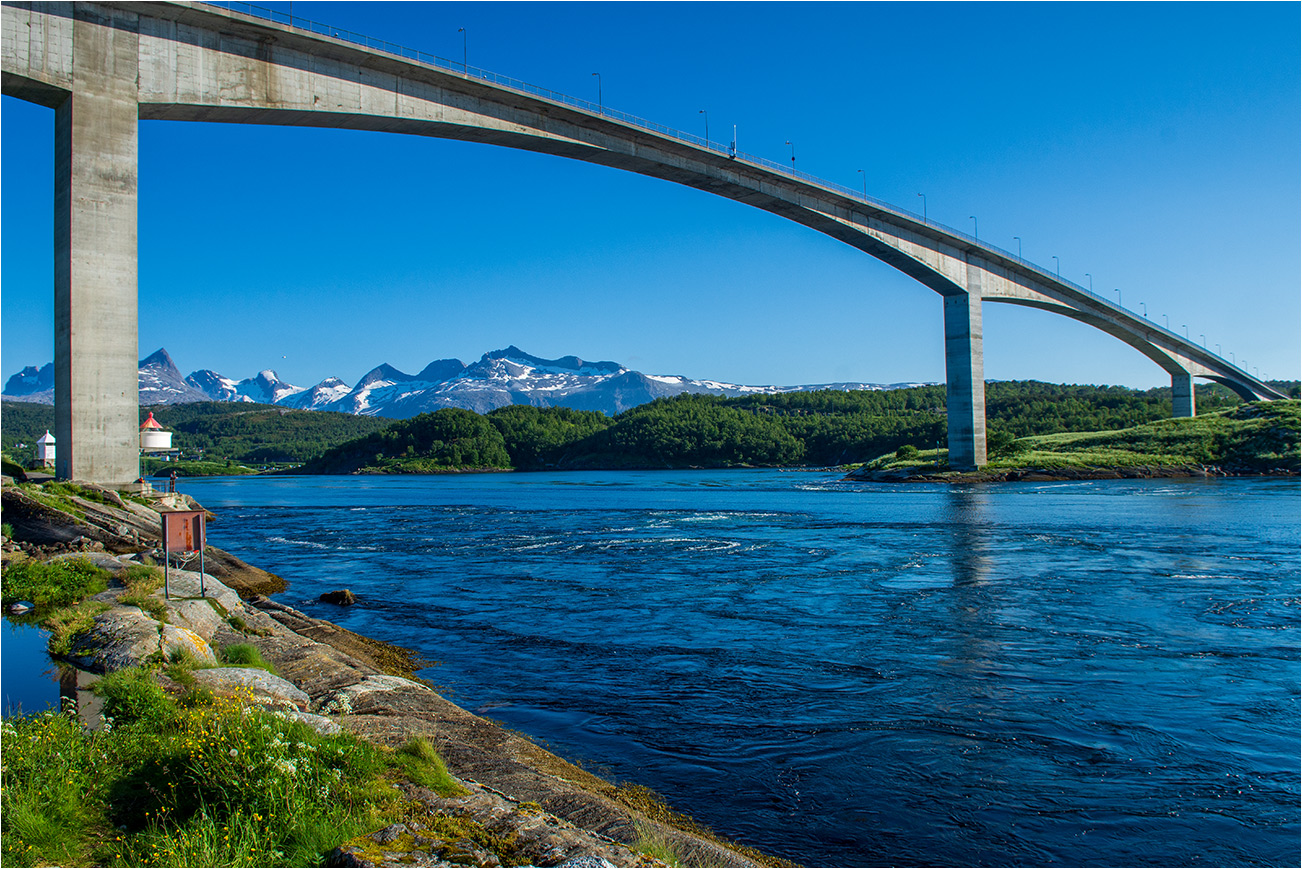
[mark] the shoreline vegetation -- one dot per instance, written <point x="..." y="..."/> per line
<point x="227" y="729"/>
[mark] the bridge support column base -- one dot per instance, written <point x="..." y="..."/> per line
<point x="965" y="385"/>
<point x="96" y="342"/>
<point x="1182" y="396"/>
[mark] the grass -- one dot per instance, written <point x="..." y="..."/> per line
<point x="52" y="584"/>
<point x="654" y="844"/>
<point x="1255" y="437"/>
<point x="66" y="623"/>
<point x="244" y="655"/>
<point x="421" y="764"/>
<point x="199" y="781"/>
<point x="142" y="581"/>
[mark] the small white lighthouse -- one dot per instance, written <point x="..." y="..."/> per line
<point x="152" y="436"/>
<point x="45" y="448"/>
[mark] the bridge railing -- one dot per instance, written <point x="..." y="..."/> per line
<point x="372" y="43"/>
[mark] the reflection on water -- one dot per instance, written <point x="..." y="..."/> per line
<point x="850" y="674"/>
<point x="29" y="680"/>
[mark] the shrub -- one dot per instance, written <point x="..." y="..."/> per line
<point x="907" y="452"/>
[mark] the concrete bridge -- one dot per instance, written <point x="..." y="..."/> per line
<point x="104" y="66"/>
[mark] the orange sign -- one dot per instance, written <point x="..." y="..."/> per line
<point x="183" y="530"/>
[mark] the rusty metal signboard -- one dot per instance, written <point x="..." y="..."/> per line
<point x="183" y="531"/>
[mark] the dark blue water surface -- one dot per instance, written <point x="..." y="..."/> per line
<point x="1085" y="674"/>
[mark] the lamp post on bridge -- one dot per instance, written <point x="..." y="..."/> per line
<point x="793" y="156"/>
<point x="865" y="182"/>
<point x="1144" y="305"/>
<point x="465" y="53"/>
<point x="1218" y="349"/>
<point x="975" y="233"/>
<point x="1057" y="265"/>
<point x="924" y="207"/>
<point x="1232" y="357"/>
<point x="600" y="111"/>
<point x="1204" y="337"/>
<point x="707" y="126"/>
<point x="1186" y="331"/>
<point x="1168" y="322"/>
<point x="1018" y="239"/>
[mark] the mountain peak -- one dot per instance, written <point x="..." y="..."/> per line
<point x="161" y="360"/>
<point x="565" y="363"/>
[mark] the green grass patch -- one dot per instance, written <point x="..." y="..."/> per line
<point x="142" y="582"/>
<point x="421" y="764"/>
<point x="52" y="584"/>
<point x="201" y="781"/>
<point x="654" y="844"/>
<point x="66" y="623"/>
<point x="244" y="655"/>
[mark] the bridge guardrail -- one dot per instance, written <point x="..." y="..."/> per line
<point x="278" y="17"/>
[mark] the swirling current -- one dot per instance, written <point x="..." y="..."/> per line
<point x="1084" y="674"/>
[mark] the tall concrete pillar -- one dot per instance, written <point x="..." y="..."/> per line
<point x="1182" y="395"/>
<point x="96" y="393"/>
<point x="965" y="384"/>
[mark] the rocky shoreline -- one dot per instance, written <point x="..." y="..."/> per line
<point x="1045" y="475"/>
<point x="555" y="813"/>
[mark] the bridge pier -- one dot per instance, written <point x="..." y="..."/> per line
<point x="965" y="384"/>
<point x="1182" y="396"/>
<point x="96" y="386"/>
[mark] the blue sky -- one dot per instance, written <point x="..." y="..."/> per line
<point x="1153" y="146"/>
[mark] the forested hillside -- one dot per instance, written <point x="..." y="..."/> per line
<point x="811" y="428"/>
<point x="252" y="433"/>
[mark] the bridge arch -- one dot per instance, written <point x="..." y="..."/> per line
<point x="105" y="66"/>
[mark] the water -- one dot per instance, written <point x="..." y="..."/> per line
<point x="29" y="680"/>
<point x="1086" y="674"/>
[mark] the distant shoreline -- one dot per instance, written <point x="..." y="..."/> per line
<point x="1046" y="475"/>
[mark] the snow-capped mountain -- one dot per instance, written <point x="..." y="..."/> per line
<point x="161" y="382"/>
<point x="267" y="388"/>
<point x="330" y="390"/>
<point x="216" y="387"/>
<point x="32" y="384"/>
<point x="499" y="378"/>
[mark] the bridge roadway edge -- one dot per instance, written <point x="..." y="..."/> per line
<point x="202" y="63"/>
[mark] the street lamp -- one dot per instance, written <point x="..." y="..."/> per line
<point x="1167" y="321"/>
<point x="1145" y="306"/>
<point x="924" y="207"/>
<point x="865" y="182"/>
<point x="1232" y="357"/>
<point x="1057" y="264"/>
<point x="707" y="126"/>
<point x="1218" y="349"/>
<point x="465" y="54"/>
<point x="1091" y="278"/>
<point x="1186" y="331"/>
<point x="599" y="109"/>
<point x="975" y="233"/>
<point x="1204" y="337"/>
<point x="793" y="156"/>
<point x="1018" y="239"/>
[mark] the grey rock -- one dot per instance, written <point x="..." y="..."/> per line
<point x="126" y="636"/>
<point x="257" y="686"/>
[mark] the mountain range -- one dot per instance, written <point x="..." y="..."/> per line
<point x="499" y="378"/>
